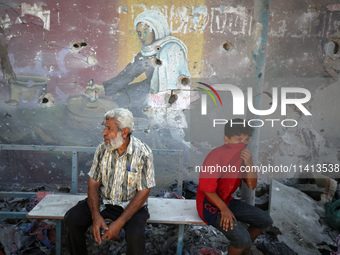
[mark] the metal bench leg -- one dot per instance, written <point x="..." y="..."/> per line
<point x="58" y="237"/>
<point x="180" y="239"/>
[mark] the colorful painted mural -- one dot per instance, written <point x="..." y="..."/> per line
<point x="163" y="60"/>
<point x="65" y="63"/>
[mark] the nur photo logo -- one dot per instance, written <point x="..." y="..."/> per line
<point x="281" y="98"/>
<point x="204" y="97"/>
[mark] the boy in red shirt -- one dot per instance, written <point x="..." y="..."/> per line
<point x="221" y="174"/>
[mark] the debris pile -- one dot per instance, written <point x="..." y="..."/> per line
<point x="297" y="217"/>
<point x="292" y="210"/>
<point x="23" y="237"/>
<point x="189" y="189"/>
<point x="17" y="204"/>
<point x="162" y="239"/>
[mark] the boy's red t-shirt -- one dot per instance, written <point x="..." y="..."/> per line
<point x="224" y="181"/>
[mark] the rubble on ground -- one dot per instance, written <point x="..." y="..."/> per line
<point x="300" y="220"/>
<point x="188" y="189"/>
<point x="198" y="240"/>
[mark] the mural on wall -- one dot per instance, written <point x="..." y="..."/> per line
<point x="51" y="76"/>
<point x="165" y="91"/>
<point x="60" y="75"/>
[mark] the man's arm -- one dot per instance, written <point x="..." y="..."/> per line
<point x="250" y="177"/>
<point x="135" y="204"/>
<point x="93" y="202"/>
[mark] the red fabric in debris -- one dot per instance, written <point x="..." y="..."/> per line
<point x="41" y="195"/>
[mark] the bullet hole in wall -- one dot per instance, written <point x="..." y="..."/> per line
<point x="227" y="46"/>
<point x="155" y="62"/>
<point x="173" y="98"/>
<point x="78" y="45"/>
<point x="47" y="100"/>
<point x="185" y="81"/>
<point x="158" y="62"/>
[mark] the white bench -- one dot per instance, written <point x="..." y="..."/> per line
<point x="168" y="211"/>
<point x="162" y="210"/>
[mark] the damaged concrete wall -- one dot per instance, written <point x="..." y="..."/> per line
<point x="302" y="52"/>
<point x="55" y="57"/>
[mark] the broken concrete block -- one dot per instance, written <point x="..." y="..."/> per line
<point x="11" y="238"/>
<point x="311" y="190"/>
<point x="300" y="220"/>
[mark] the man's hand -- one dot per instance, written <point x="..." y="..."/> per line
<point x="134" y="206"/>
<point x="227" y="219"/>
<point x="97" y="223"/>
<point x="93" y="202"/>
<point x="247" y="158"/>
<point x="113" y="230"/>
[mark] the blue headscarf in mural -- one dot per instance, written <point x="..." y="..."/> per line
<point x="170" y="50"/>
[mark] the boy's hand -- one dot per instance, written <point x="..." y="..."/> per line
<point x="227" y="219"/>
<point x="247" y="158"/>
<point x="250" y="177"/>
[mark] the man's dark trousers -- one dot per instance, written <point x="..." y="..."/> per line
<point x="78" y="219"/>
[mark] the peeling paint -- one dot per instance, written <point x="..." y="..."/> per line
<point x="92" y="60"/>
<point x="38" y="11"/>
<point x="6" y="21"/>
<point x="236" y="20"/>
<point x="199" y="18"/>
<point x="18" y="20"/>
<point x="123" y="9"/>
<point x="281" y="30"/>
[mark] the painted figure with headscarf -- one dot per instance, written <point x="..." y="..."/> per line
<point x="163" y="58"/>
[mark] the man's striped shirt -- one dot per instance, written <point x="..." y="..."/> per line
<point x="122" y="176"/>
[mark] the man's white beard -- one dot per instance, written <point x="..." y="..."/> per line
<point x="115" y="143"/>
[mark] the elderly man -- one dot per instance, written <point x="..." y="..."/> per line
<point x="121" y="177"/>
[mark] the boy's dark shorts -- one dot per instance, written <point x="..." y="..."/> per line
<point x="239" y="237"/>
